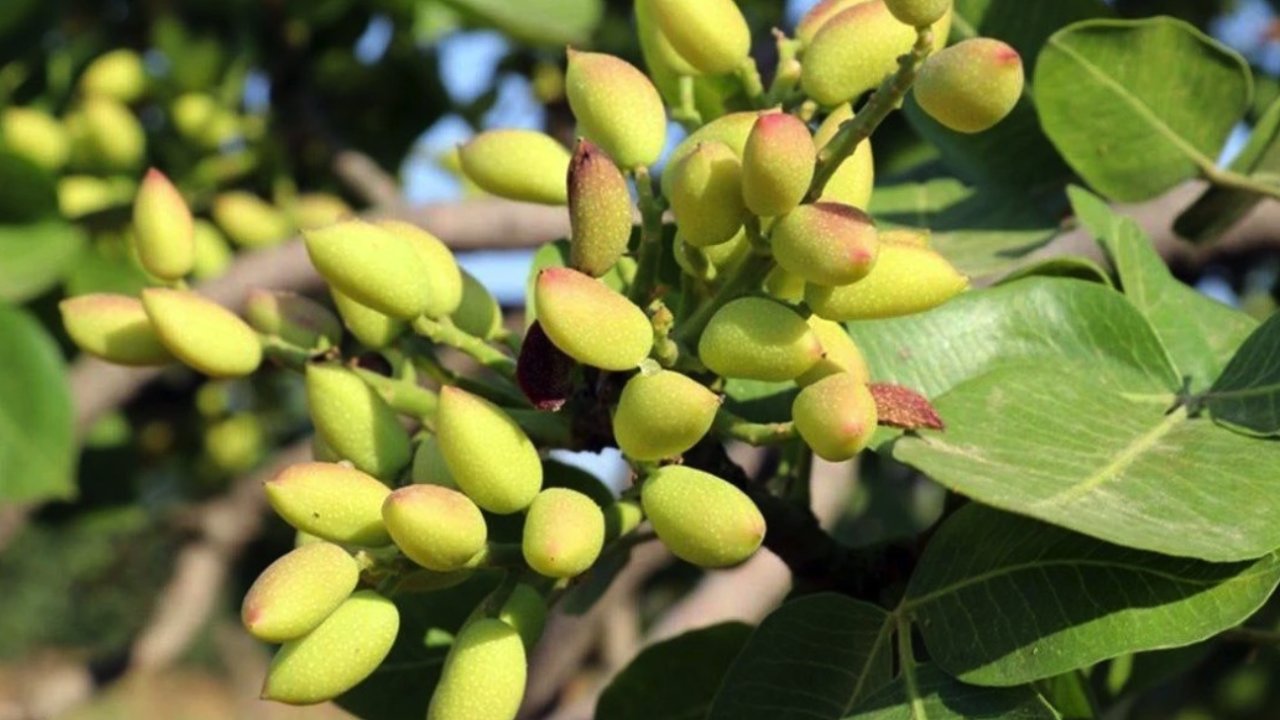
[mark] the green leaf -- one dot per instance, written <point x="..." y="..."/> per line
<point x="1069" y="694"/>
<point x="1063" y="266"/>
<point x="1046" y="320"/>
<point x="816" y="656"/>
<point x="1199" y="332"/>
<point x="1005" y="600"/>
<point x="1219" y="208"/>
<point x="675" y="679"/>
<point x="1057" y="445"/>
<point x="981" y="231"/>
<point x="936" y="695"/>
<point x="1137" y="107"/>
<point x="37" y="445"/>
<point x="538" y="22"/>
<point x="29" y="193"/>
<point x="35" y="256"/>
<point x="1247" y="395"/>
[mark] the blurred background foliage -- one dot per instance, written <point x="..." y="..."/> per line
<point x="245" y="104"/>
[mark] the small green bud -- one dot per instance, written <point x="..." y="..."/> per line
<point x="662" y="414"/>
<point x="617" y="107"/>
<point x="335" y="657"/>
<point x="429" y="466"/>
<point x="298" y="591"/>
<point x="163" y="229"/>
<point x="563" y="533"/>
<point x="590" y="322"/>
<point x="212" y="253"/>
<point x="656" y="47"/>
<point x="315" y="210"/>
<point x="201" y="120"/>
<point x="36" y="136"/>
<point x="919" y="13"/>
<point x="711" y="34"/>
<point x="701" y="518"/>
<point x="294" y="318"/>
<point x="483" y="676"/>
<point x="621" y="518"/>
<point x="706" y="195"/>
<point x="972" y="85"/>
<point x="488" y="454"/>
<point x="202" y="334"/>
<point x="436" y="527"/>
<point x="373" y="266"/>
<point x="854" y="180"/>
<point x="836" y="416"/>
<point x="331" y="501"/>
<point x="355" y="421"/>
<point x="114" y="328"/>
<point x="479" y="313"/>
<point x="758" y="339"/>
<point x="115" y="137"/>
<point x="732" y="129"/>
<point x="235" y="444"/>
<point x="840" y="354"/>
<point x="904" y="281"/>
<point x="372" y="328"/>
<point x="856" y="49"/>
<point x="80" y="195"/>
<point x="777" y="164"/>
<point x="444" y="277"/>
<point x="249" y="220"/>
<point x="117" y="75"/>
<point x="517" y="164"/>
<point x="599" y="211"/>
<point x="826" y="243"/>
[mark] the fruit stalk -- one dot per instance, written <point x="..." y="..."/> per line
<point x="443" y="332"/>
<point x="887" y="98"/>
<point x="729" y="425"/>
<point x="651" y="209"/>
<point x="404" y="396"/>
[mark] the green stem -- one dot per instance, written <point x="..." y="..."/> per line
<point x="1236" y="181"/>
<point x="687" y="112"/>
<point x="787" y="76"/>
<point x="285" y="354"/>
<point x="444" y="332"/>
<point x="651" y="208"/>
<point x="404" y="396"/>
<point x="747" y="276"/>
<point x="665" y="350"/>
<point x="907" y="659"/>
<point x="731" y="426"/>
<point x="752" y="86"/>
<point x="425" y="361"/>
<point x="885" y="100"/>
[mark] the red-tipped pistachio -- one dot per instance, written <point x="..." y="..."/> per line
<point x="517" y="164"/>
<point x="662" y="414"/>
<point x="294" y="318"/>
<point x="701" y="518"/>
<point x="483" y="676"/>
<point x="826" y="243"/>
<point x="836" y="416"/>
<point x="617" y="107"/>
<point x="355" y="421"/>
<point x="599" y="211"/>
<point x="563" y="533"/>
<point x="758" y="339"/>
<point x="840" y="354"/>
<point x="972" y="85"/>
<point x="777" y="164"/>
<point x="732" y="130"/>
<point x="438" y="528"/>
<point x="114" y="328"/>
<point x="706" y="195"/>
<point x="444" y="277"/>
<point x="905" y="280"/>
<point x="335" y="657"/>
<point x="249" y="220"/>
<point x="298" y="591"/>
<point x="373" y="266"/>
<point x="202" y="333"/>
<point x="331" y="501"/>
<point x="489" y="456"/>
<point x="162" y="228"/>
<point x="712" y="35"/>
<point x="590" y="322"/>
<point x="371" y="328"/>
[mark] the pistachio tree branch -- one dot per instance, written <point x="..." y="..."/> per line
<point x="443" y="332"/>
<point x="731" y="426"/>
<point x="651" y="209"/>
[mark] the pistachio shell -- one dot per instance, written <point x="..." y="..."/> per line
<point x="372" y="328"/>
<point x="701" y="518"/>
<point x="315" y="210"/>
<point x="591" y="323"/>
<point x="823" y="11"/>
<point x="355" y="421"/>
<point x="971" y="86"/>
<point x="438" y="528"/>
<point x="483" y="676"/>
<point x="488" y="455"/>
<point x="249" y="220"/>
<point x="202" y="333"/>
<point x="712" y="35"/>
<point x="213" y="255"/>
<point x="444" y="277"/>
<point x="840" y="354"/>
<point x="918" y="13"/>
<point x="836" y="416"/>
<point x="524" y="609"/>
<point x="429" y="467"/>
<point x="115" y="137"/>
<point x="118" y="75"/>
<point x="298" y="591"/>
<point x="163" y="230"/>
<point x="655" y="45"/>
<point x="331" y="501"/>
<point x="784" y="285"/>
<point x="335" y="657"/>
<point x="854" y="180"/>
<point x="617" y="107"/>
<point x="294" y="318"/>
<point x="706" y="195"/>
<point x="563" y="533"/>
<point x="662" y="414"/>
<point x="826" y="243"/>
<point x="758" y="339"/>
<point x="114" y="328"/>
<point x="599" y="211"/>
<point x="479" y="313"/>
<point x="517" y="164"/>
<point x="621" y="518"/>
<point x="373" y="266"/>
<point x="777" y="164"/>
<point x="905" y="280"/>
<point x="79" y="195"/>
<point x="201" y="120"/>
<point x="732" y="129"/>
<point x="36" y="136"/>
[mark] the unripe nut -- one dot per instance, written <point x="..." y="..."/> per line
<point x="295" y="319"/>
<point x="617" y="107"/>
<point x="483" y="676"/>
<point x="298" y="591"/>
<point x="758" y="339"/>
<point x="114" y="328"/>
<point x="918" y="13"/>
<point x="518" y="165"/>
<point x="701" y="518"/>
<point x="904" y="281"/>
<point x="972" y="85"/>
<point x="662" y="414"/>
<point x="563" y="533"/>
<point x="201" y="333"/>
<point x="249" y="220"/>
<point x="373" y="266"/>
<point x="355" y="421"/>
<point x="840" y="354"/>
<point x="836" y="416"/>
<point x="331" y="501"/>
<point x="163" y="229"/>
<point x="591" y="322"/>
<point x="444" y="277"/>
<point x="438" y="528"/>
<point x="489" y="456"/>
<point x="706" y="195"/>
<point x="712" y="35"/>
<point x="777" y="164"/>
<point x="599" y="211"/>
